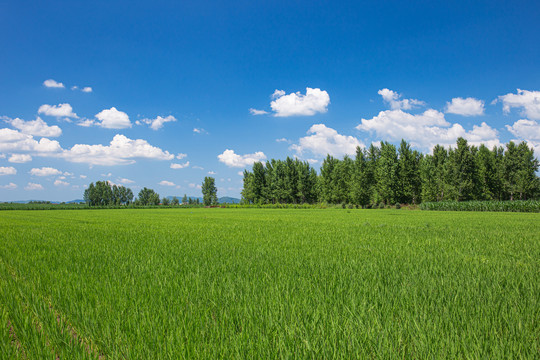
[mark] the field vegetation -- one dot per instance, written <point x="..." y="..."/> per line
<point x="265" y="283"/>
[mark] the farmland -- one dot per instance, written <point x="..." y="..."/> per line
<point x="269" y="283"/>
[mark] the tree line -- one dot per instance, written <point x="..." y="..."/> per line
<point x="103" y="193"/>
<point x="388" y="174"/>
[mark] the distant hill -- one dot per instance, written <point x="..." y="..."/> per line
<point x="221" y="200"/>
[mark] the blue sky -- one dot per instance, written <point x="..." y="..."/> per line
<point x="162" y="94"/>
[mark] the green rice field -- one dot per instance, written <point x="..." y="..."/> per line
<point x="269" y="283"/>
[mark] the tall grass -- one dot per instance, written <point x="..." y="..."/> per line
<point x="508" y="206"/>
<point x="253" y="283"/>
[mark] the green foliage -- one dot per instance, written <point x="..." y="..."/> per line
<point x="148" y="197"/>
<point x="269" y="284"/>
<point x="209" y="191"/>
<point x="386" y="175"/>
<point x="508" y="206"/>
<point x="104" y="194"/>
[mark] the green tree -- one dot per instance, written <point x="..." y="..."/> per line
<point x="148" y="197"/>
<point x="185" y="199"/>
<point x="165" y="201"/>
<point x="386" y="173"/>
<point x="209" y="191"/>
<point x="175" y="201"/>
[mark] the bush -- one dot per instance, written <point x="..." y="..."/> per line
<point x="507" y="206"/>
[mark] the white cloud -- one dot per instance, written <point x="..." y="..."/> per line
<point x="197" y="167"/>
<point x="113" y="119"/>
<point x="19" y="158"/>
<point x="86" y="89"/>
<point x="312" y="161"/>
<point x="2" y="156"/>
<point x="229" y="158"/>
<point x="60" y="110"/>
<point x="466" y="107"/>
<point x="59" y="182"/>
<point x="86" y="123"/>
<point x="241" y="173"/>
<point x="33" y="186"/>
<point x="325" y="141"/>
<point x="525" y="129"/>
<point x="195" y="186"/>
<point x="7" y="170"/>
<point x="257" y="112"/>
<point x="529" y="131"/>
<point x="211" y="173"/>
<point x="166" y="183"/>
<point x="74" y="87"/>
<point x="125" y="181"/>
<point x="425" y="130"/>
<point x="180" y="156"/>
<point x="13" y="140"/>
<point x="45" y="171"/>
<point x="283" y="140"/>
<point x="107" y="175"/>
<point x="179" y="166"/>
<point x="296" y="104"/>
<point x="50" y="83"/>
<point x="83" y="176"/>
<point x="121" y="151"/>
<point x="36" y="127"/>
<point x="529" y="101"/>
<point x="10" y="186"/>
<point x="392" y="98"/>
<point x="157" y="123"/>
<point x="278" y="93"/>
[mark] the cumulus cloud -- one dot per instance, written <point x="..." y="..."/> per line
<point x="297" y="104"/>
<point x="200" y="131"/>
<point x="528" y="101"/>
<point x="466" y="107"/>
<point x="157" y="123"/>
<point x="211" y="173"/>
<point x="231" y="159"/>
<point x="525" y="129"/>
<point x="195" y="186"/>
<point x="86" y="89"/>
<point x="15" y="141"/>
<point x="60" y="110"/>
<point x="50" y="83"/>
<point x="45" y="171"/>
<point x="10" y="186"/>
<point x="425" y="130"/>
<point x="529" y="131"/>
<point x="36" y="127"/>
<point x="7" y="170"/>
<point x="392" y="98"/>
<point x="166" y="183"/>
<point x="33" y="186"/>
<point x="179" y="166"/>
<point x="253" y="111"/>
<point x="86" y="123"/>
<point x="180" y="156"/>
<point x="59" y="182"/>
<point x="19" y="158"/>
<point x="325" y="140"/>
<point x="125" y="181"/>
<point x="113" y="119"/>
<point x="120" y="151"/>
